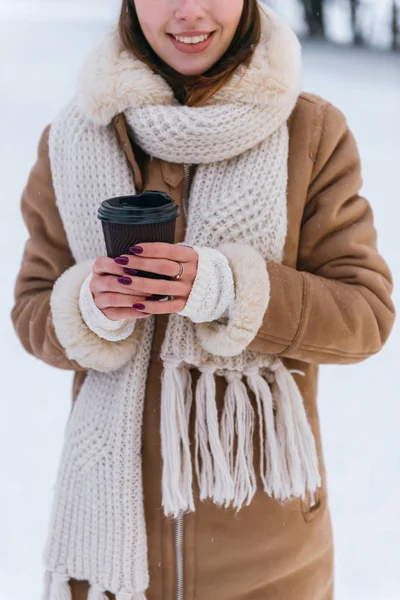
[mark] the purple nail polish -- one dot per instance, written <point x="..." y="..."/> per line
<point x="139" y="306"/>
<point x="124" y="280"/>
<point x="121" y="260"/>
<point x="130" y="271"/>
<point x="136" y="250"/>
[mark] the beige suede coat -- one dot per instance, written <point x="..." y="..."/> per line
<point x="330" y="303"/>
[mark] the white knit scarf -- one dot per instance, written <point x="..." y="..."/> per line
<point x="239" y="143"/>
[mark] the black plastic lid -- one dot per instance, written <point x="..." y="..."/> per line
<point x="143" y="209"/>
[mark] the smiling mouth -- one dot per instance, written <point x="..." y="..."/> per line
<point x="191" y="40"/>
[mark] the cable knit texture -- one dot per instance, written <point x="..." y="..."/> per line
<point x="240" y="143"/>
<point x="96" y="320"/>
<point x="213" y="290"/>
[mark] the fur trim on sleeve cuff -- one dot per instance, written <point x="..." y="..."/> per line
<point x="252" y="292"/>
<point x="80" y="343"/>
<point x="96" y="320"/>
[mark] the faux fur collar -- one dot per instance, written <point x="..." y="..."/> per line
<point x="112" y="80"/>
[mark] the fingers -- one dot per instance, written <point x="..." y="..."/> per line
<point x="161" y="308"/>
<point x="120" y="294"/>
<point x="128" y="264"/>
<point x="183" y="254"/>
<point x="115" y="300"/>
<point x="123" y="306"/>
<point x="119" y="306"/>
<point x="161" y="266"/>
<point x="104" y="266"/>
<point x="138" y="286"/>
<point x="119" y="314"/>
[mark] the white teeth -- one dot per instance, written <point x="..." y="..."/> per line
<point x="192" y="40"/>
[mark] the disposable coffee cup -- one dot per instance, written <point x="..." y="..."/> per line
<point x="129" y="220"/>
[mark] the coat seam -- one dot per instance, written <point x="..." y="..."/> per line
<point x="321" y="349"/>
<point x="331" y="352"/>
<point x="301" y="320"/>
<point x="318" y="122"/>
<point x="339" y="352"/>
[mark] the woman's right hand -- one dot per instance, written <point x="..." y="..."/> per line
<point x="110" y="297"/>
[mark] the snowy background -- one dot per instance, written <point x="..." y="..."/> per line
<point x="373" y="16"/>
<point x="41" y="47"/>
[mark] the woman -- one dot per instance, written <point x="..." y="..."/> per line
<point x="192" y="464"/>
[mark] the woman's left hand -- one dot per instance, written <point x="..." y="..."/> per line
<point x="164" y="259"/>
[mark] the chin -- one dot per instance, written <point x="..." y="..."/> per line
<point x="192" y="70"/>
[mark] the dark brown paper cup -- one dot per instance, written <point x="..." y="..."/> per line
<point x="119" y="238"/>
<point x="129" y="220"/>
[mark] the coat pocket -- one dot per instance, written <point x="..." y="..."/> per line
<point x="312" y="506"/>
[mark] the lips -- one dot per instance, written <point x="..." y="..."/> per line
<point x="192" y="48"/>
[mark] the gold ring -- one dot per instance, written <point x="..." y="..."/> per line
<point x="180" y="271"/>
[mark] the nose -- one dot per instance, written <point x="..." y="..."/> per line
<point x="189" y="10"/>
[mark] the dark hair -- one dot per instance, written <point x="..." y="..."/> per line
<point x="194" y="90"/>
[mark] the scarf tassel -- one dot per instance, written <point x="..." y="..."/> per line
<point x="237" y="429"/>
<point x="272" y="460"/>
<point x="295" y="436"/>
<point x="56" y="585"/>
<point x="47" y="577"/>
<point x="212" y="469"/>
<point x="176" y="400"/>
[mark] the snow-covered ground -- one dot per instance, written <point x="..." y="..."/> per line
<point x="359" y="405"/>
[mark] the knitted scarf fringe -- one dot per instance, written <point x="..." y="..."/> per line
<point x="223" y="454"/>
<point x="175" y="411"/>
<point x="56" y="586"/>
<point x="212" y="469"/>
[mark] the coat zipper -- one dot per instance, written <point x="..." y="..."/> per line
<point x="179" y="555"/>
<point x="179" y="520"/>
<point x="186" y="185"/>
